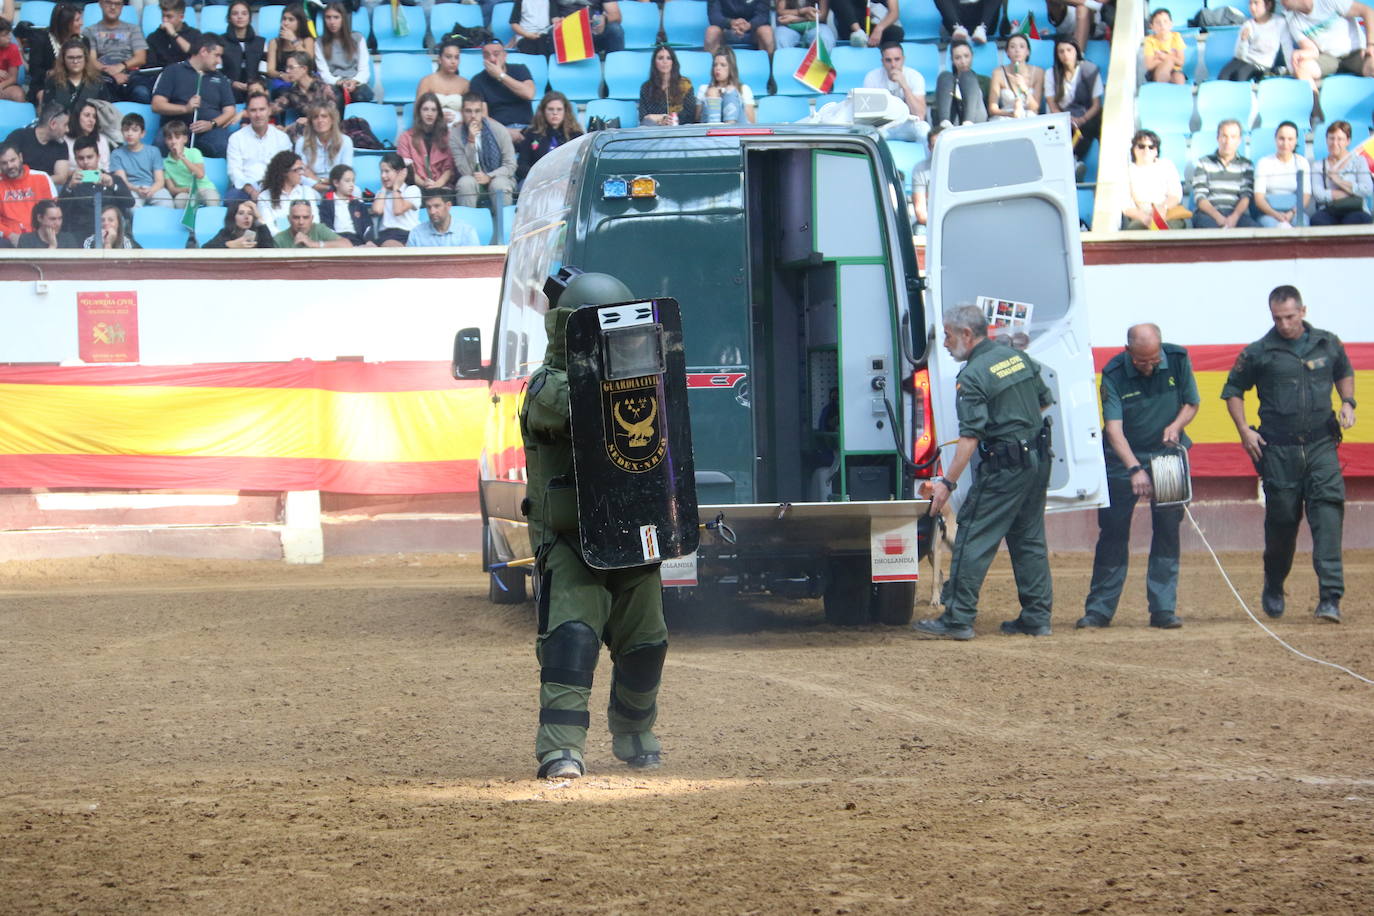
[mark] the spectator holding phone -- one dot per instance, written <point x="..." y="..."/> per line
<point x="89" y="181"/>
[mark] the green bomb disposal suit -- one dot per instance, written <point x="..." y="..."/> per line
<point x="1299" y="464"/>
<point x="1000" y="395"/>
<point x="580" y="607"/>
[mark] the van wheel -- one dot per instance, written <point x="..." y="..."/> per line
<point x="848" y="598"/>
<point x="894" y="603"/>
<point x="507" y="586"/>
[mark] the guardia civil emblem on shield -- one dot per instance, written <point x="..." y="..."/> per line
<point x="633" y="422"/>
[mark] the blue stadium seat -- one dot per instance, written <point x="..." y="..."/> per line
<point x="985" y="58"/>
<point x="1017" y="10"/>
<point x="925" y="60"/>
<point x="217" y="173"/>
<point x="1100" y="53"/>
<point x="215" y="20"/>
<point x="1262" y="142"/>
<point x="695" y="65"/>
<point x="626" y="71"/>
<point x="500" y="21"/>
<point x="151" y="17"/>
<point x="159" y="227"/>
<point x="821" y="100"/>
<point x="579" y="81"/>
<point x="507" y="221"/>
<point x="470" y="63"/>
<point x="1218" y="100"/>
<point x="1181" y="11"/>
<point x="39" y="12"/>
<point x="14" y="115"/>
<point x="641" y="23"/>
<point x="1086" y="195"/>
<point x="383" y="28"/>
<point x="209" y="221"/>
<point x="1090" y="161"/>
<point x="1165" y="108"/>
<point x="1201" y="144"/>
<point x="269" y="21"/>
<point x="1348" y="98"/>
<point x="754" y="67"/>
<point x="367" y="173"/>
<point x="380" y="117"/>
<point x="478" y="218"/>
<point x="152" y="121"/>
<point x="920" y="21"/>
<point x="1042" y="56"/>
<point x="1175" y="148"/>
<point x="684" y="23"/>
<point x="407" y="118"/>
<point x="445" y="16"/>
<point x="785" y="64"/>
<point x="1283" y="99"/>
<point x="401" y="74"/>
<point x="782" y="109"/>
<point x="852" y="65"/>
<point x="537" y="64"/>
<point x="624" y="109"/>
<point x="906" y="156"/>
<point x="1218" y="50"/>
<point x="91" y="14"/>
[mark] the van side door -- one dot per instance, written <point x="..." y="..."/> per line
<point x="1003" y="233"/>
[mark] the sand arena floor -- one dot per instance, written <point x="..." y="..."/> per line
<point x="197" y="737"/>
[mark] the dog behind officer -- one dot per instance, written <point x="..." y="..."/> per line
<point x="999" y="400"/>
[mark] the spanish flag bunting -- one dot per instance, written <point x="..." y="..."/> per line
<point x="572" y="37"/>
<point x="816" y="70"/>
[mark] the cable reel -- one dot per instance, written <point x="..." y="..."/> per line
<point x="1173" y="485"/>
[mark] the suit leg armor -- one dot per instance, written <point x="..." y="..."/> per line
<point x="633" y="706"/>
<point x="567" y="658"/>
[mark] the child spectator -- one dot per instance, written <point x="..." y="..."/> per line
<point x="342" y="211"/>
<point x="244" y="49"/>
<point x="44" y="145"/>
<point x="1341" y="184"/>
<point x="424" y="146"/>
<point x="114" y="232"/>
<point x="1156" y="191"/>
<point x="119" y="48"/>
<point x="1223" y="183"/>
<point x="184" y="168"/>
<point x="89" y="182"/>
<point x="441" y="230"/>
<point x="341" y="56"/>
<point x="47" y="229"/>
<point x="322" y="145"/>
<point x="45" y="45"/>
<point x="242" y="229"/>
<point x="666" y="96"/>
<point x="20" y="188"/>
<point x="293" y="36"/>
<point x="304" y="232"/>
<point x="725" y="100"/>
<point x="11" y="61"/>
<point x="85" y="122"/>
<point x="555" y="123"/>
<point x="1283" y="181"/>
<point x="398" y="203"/>
<point x="140" y="165"/>
<point x="1163" y="50"/>
<point x="1257" y="45"/>
<point x="282" y="185"/>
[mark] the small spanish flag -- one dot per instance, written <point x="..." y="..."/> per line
<point x="1157" y="220"/>
<point x="1366" y="151"/>
<point x="572" y="37"/>
<point x="816" y="70"/>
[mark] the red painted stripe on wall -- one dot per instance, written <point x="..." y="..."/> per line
<point x="356" y="377"/>
<point x="1221" y="357"/>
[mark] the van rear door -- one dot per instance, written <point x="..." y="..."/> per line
<point x="1004" y="228"/>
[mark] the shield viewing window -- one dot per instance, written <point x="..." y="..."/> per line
<point x="634" y="351"/>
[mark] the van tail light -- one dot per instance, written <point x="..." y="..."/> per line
<point x="923" y="445"/>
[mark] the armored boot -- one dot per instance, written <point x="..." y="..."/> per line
<point x="634" y="707"/>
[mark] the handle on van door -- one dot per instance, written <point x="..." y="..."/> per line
<point x="467" y="354"/>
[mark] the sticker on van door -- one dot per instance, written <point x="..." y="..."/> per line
<point x="892" y="550"/>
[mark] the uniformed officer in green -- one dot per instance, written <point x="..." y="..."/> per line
<point x="1293" y="369"/>
<point x="999" y="403"/>
<point x="579" y="607"/>
<point x="1148" y="396"/>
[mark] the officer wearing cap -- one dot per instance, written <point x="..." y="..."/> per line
<point x="1293" y="369"/>
<point x="1148" y="396"/>
<point x="999" y="403"/>
<point x="580" y="607"/>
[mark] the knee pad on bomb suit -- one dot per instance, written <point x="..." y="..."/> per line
<point x="568" y="655"/>
<point x="636" y="675"/>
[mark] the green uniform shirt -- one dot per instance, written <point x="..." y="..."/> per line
<point x="319" y="232"/>
<point x="1000" y="394"/>
<point x="1293" y="379"/>
<point x="1145" y="404"/>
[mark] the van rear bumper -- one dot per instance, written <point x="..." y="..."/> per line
<point x="803" y="528"/>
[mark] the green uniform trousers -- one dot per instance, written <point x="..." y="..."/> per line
<point x="1113" y="554"/>
<point x="1005" y="503"/>
<point x="1298" y="477"/>
<point x="625" y="608"/>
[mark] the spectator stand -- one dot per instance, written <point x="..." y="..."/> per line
<point x="852" y="65"/>
<point x="1348" y="98"/>
<point x="580" y="81"/>
<point x="367" y="173"/>
<point x="783" y="109"/>
<point x="400" y="75"/>
<point x="684" y="23"/>
<point x="920" y="21"/>
<point x="161" y="227"/>
<point x="444" y="16"/>
<point x="384" y="29"/>
<point x="500" y="22"/>
<point x="641" y="23"/>
<point x="14" y="115"/>
<point x="209" y="221"/>
<point x="479" y="218"/>
<point x="1280" y="99"/>
<point x="785" y="63"/>
<point x="381" y="117"/>
<point x="39" y="12"/>
<point x="152" y="121"/>
<point x="626" y="71"/>
<point x="269" y="21"/>
<point x="215" y="20"/>
<point x="625" y="109"/>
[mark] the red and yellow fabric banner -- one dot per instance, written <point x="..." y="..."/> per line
<point x="347" y="427"/>
<point x="816" y="70"/>
<point x="572" y="37"/>
<point x="1216" y="448"/>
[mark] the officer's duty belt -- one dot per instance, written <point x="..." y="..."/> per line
<point x="1318" y="434"/>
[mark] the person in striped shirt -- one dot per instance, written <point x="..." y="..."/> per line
<point x="1223" y="183"/>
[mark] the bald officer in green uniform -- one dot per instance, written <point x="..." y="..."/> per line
<point x="1000" y="397"/>
<point x="1293" y="369"/>
<point x="1148" y="396"/>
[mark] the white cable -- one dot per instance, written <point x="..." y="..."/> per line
<point x="1358" y="677"/>
<point x="1169" y="475"/>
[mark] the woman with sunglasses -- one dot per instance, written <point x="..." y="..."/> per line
<point x="282" y="184"/>
<point x="1156" y="190"/>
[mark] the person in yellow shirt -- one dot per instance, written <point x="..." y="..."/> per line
<point x="1163" y="50"/>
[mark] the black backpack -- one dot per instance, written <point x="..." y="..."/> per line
<point x="468" y="36"/>
<point x="360" y="132"/>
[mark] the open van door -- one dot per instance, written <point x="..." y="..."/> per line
<point x="1003" y="230"/>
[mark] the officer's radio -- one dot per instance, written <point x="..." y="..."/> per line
<point x="632" y="442"/>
